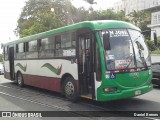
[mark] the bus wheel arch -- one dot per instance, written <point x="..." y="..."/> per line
<point x="19" y="79"/>
<point x="69" y="87"/>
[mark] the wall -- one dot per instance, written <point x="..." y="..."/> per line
<point x="155" y="58"/>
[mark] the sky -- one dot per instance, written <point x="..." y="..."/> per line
<point x="10" y="11"/>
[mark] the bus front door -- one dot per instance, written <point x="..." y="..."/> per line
<point x="86" y="65"/>
<point x="11" y="62"/>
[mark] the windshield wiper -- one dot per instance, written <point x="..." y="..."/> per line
<point x="143" y="60"/>
<point x="129" y="62"/>
<point x="140" y="54"/>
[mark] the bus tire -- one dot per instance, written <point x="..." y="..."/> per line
<point x="20" y="81"/>
<point x="70" y="89"/>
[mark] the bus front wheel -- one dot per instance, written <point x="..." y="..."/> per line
<point x="20" y="80"/>
<point x="70" y="89"/>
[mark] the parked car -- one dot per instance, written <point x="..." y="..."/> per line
<point x="1" y="69"/>
<point x="156" y="73"/>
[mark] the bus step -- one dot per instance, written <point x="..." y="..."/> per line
<point x="88" y="96"/>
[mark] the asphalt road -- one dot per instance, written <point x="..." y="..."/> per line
<point x="14" y="98"/>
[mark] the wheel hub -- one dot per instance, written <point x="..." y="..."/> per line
<point x="69" y="88"/>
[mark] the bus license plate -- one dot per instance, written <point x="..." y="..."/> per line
<point x="137" y="92"/>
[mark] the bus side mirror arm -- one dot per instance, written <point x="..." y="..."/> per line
<point x="106" y="42"/>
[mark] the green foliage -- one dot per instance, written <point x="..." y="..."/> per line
<point x="151" y="45"/>
<point x="42" y="15"/>
<point x="80" y="14"/>
<point x="122" y="16"/>
<point x="90" y="2"/>
<point x="155" y="52"/>
<point x="138" y="17"/>
<point x="1" y="58"/>
<point x="141" y="19"/>
<point x="108" y="14"/>
<point x="158" y="43"/>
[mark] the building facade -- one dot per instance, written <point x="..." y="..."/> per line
<point x="130" y="5"/>
<point x="155" y="24"/>
<point x="148" y="5"/>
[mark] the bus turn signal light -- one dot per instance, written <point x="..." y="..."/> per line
<point x="110" y="89"/>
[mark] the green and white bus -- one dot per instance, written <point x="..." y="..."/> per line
<point x="100" y="60"/>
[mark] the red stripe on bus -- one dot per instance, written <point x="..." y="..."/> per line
<point x="48" y="83"/>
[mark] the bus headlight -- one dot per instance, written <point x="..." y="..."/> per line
<point x="110" y="89"/>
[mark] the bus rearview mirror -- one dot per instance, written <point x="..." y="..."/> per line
<point x="106" y="41"/>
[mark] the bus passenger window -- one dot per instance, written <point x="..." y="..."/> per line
<point x="21" y="47"/>
<point x="73" y="39"/>
<point x="32" y="49"/>
<point x="17" y="48"/>
<point x="46" y="47"/>
<point x="6" y="53"/>
<point x="58" y="51"/>
<point x="20" y="53"/>
<point x="66" y="40"/>
<point x="33" y="45"/>
<point x="26" y="47"/>
<point x="58" y="42"/>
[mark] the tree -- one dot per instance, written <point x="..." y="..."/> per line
<point x="135" y="17"/>
<point x="158" y="44"/>
<point x="108" y="14"/>
<point x="151" y="45"/>
<point x="90" y="2"/>
<point x="122" y="16"/>
<point x="141" y="19"/>
<point x="1" y="58"/>
<point x="42" y="15"/>
<point x="80" y="14"/>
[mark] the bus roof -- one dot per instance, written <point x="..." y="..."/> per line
<point x="93" y="25"/>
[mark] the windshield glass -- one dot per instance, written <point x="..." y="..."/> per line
<point x="140" y="48"/>
<point x="128" y="49"/>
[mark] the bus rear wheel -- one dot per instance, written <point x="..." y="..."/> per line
<point x="70" y="89"/>
<point x="20" y="80"/>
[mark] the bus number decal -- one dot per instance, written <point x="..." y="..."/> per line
<point x="118" y="33"/>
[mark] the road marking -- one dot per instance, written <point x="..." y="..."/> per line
<point x="34" y="101"/>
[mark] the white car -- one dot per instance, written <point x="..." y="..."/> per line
<point x="1" y="69"/>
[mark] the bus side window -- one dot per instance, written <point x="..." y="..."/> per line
<point x="21" y="52"/>
<point x="17" y="49"/>
<point x="31" y="48"/>
<point x="73" y="37"/>
<point x="26" y="47"/>
<point x="45" y="47"/>
<point x="39" y="47"/>
<point x="6" y="53"/>
<point x="58" y="46"/>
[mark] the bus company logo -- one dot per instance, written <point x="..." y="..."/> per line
<point x="57" y="70"/>
<point x="24" y="68"/>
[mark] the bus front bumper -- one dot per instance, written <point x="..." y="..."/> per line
<point x="124" y="93"/>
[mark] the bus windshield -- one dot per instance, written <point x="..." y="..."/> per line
<point x="128" y="49"/>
